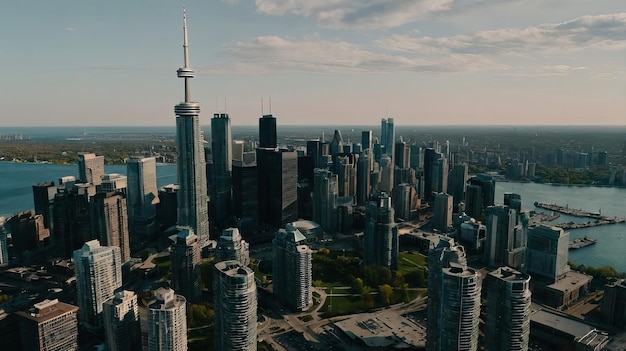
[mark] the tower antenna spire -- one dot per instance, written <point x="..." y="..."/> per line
<point x="185" y="72"/>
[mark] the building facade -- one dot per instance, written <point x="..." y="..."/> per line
<point x="292" y="268"/>
<point x="231" y="246"/>
<point x="547" y="252"/>
<point x="167" y="322"/>
<point x="109" y="221"/>
<point x="90" y="168"/>
<point x="443" y="212"/>
<point x="235" y="304"/>
<point x="121" y="322"/>
<point x="98" y="275"/>
<point x="381" y="234"/>
<point x="49" y="325"/>
<point x="142" y="194"/>
<point x="220" y="186"/>
<point x="185" y="258"/>
<point x="507" y="315"/>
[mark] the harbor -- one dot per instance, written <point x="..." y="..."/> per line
<point x="581" y="242"/>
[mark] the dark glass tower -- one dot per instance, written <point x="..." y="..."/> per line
<point x="267" y="132"/>
<point x="220" y="186"/>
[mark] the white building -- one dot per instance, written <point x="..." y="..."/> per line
<point x="142" y="193"/>
<point x="98" y="275"/>
<point x="167" y="322"/>
<point x="235" y="303"/>
<point x="121" y="322"/>
<point x="231" y="246"/>
<point x="292" y="275"/>
<point x="90" y="168"/>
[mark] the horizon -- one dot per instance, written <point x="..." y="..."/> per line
<point x="456" y="62"/>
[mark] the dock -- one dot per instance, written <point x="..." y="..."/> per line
<point x="582" y="242"/>
<point x="569" y="211"/>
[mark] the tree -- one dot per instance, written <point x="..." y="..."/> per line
<point x="357" y="286"/>
<point x="385" y="291"/>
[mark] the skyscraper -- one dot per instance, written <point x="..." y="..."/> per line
<point x="363" y="170"/>
<point x="387" y="136"/>
<point x="109" y="221"/>
<point x="325" y="193"/>
<point x="43" y="198"/>
<point x="292" y="277"/>
<point x="235" y="303"/>
<point x="98" y="275"/>
<point x="443" y="212"/>
<point x="186" y="265"/>
<point x="191" y="165"/>
<point x="90" y="168"/>
<point x="381" y="234"/>
<point x="277" y="186"/>
<point x="480" y="193"/>
<point x="121" y="322"/>
<point x="142" y="194"/>
<point x="546" y="252"/>
<point x="505" y="239"/>
<point x="220" y="188"/>
<point x="231" y="246"/>
<point x="366" y="140"/>
<point x="456" y="182"/>
<point x="49" y="325"/>
<point x="167" y="322"/>
<point x="267" y="132"/>
<point x="507" y="315"/>
<point x="453" y="301"/>
<point x="246" y="196"/>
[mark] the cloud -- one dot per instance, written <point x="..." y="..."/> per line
<point x="273" y="53"/>
<point x="356" y="13"/>
<point x="601" y="31"/>
<point x="70" y="29"/>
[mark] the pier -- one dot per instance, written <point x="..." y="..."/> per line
<point x="582" y="242"/>
<point x="570" y="211"/>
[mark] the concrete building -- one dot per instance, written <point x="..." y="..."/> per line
<point x="121" y="322"/>
<point x="90" y="168"/>
<point x="71" y="220"/>
<point x="167" y="322"/>
<point x="113" y="182"/>
<point x="292" y="268"/>
<point x="454" y="301"/>
<point x="505" y="241"/>
<point x="49" y="325"/>
<point x="186" y="258"/>
<point x="190" y="163"/>
<point x="406" y="202"/>
<point x="142" y="194"/>
<point x="325" y="194"/>
<point x="109" y="221"/>
<point x="98" y="275"/>
<point x="235" y="302"/>
<point x="220" y="171"/>
<point x="380" y="234"/>
<point x="507" y="313"/>
<point x="28" y="231"/>
<point x="231" y="246"/>
<point x="614" y="303"/>
<point x="443" y="212"/>
<point x="546" y="252"/>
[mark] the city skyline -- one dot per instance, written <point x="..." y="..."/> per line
<point x="514" y="63"/>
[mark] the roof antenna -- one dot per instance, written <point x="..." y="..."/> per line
<point x="225" y="110"/>
<point x="270" y="105"/>
<point x="216" y="107"/>
<point x="262" y="111"/>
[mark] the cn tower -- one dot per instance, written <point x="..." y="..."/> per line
<point x="191" y="165"/>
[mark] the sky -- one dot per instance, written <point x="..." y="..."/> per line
<point x="321" y="62"/>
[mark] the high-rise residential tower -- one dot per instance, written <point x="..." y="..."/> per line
<point x="98" y="275"/>
<point x="231" y="246"/>
<point x="387" y="136"/>
<point x="191" y="165"/>
<point x="325" y="192"/>
<point x="90" y="168"/>
<point x="142" y="194"/>
<point x="547" y="252"/>
<point x="381" y="234"/>
<point x="121" y="322"/>
<point x="507" y="315"/>
<point x="167" y="322"/>
<point x="453" y="301"/>
<point x="235" y="304"/>
<point x="186" y="265"/>
<point x="292" y="275"/>
<point x="220" y="186"/>
<point x="109" y="221"/>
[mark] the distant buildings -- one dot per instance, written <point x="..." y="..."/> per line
<point x="380" y="235"/>
<point x="292" y="268"/>
<point x="191" y="164"/>
<point x="167" y="322"/>
<point x="453" y="301"/>
<point x="98" y="275"/>
<point x="49" y="325"/>
<point x="235" y="304"/>
<point x="507" y="314"/>
<point x="185" y="265"/>
<point x="231" y="246"/>
<point x="121" y="322"/>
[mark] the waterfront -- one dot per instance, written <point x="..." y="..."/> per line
<point x="16" y="180"/>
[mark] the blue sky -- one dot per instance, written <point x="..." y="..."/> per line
<point x="423" y="62"/>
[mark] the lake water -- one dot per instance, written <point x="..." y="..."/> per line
<point x="16" y="180"/>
